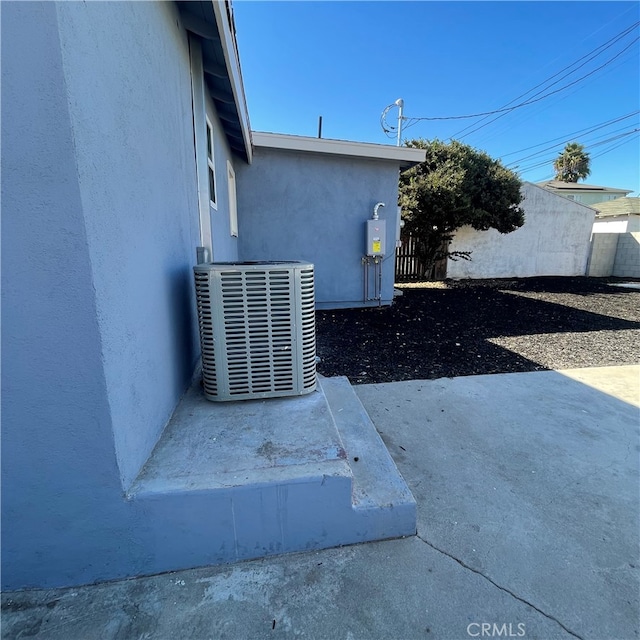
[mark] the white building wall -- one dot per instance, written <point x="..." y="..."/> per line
<point x="617" y="224"/>
<point x="594" y="198"/>
<point x="611" y="226"/>
<point x="554" y="240"/>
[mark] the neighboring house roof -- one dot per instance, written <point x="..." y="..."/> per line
<point x="565" y="201"/>
<point x="405" y="156"/>
<point x="558" y="185"/>
<point x="213" y="23"/>
<point x="618" y="207"/>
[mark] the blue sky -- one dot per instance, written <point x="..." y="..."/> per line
<point x="347" y="61"/>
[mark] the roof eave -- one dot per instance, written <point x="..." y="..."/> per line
<point x="209" y="20"/>
<point x="229" y="49"/>
<point x="405" y="157"/>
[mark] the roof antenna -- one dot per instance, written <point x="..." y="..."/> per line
<point x="319" y="126"/>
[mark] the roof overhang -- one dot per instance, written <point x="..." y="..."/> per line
<point x="405" y="157"/>
<point x="212" y="22"/>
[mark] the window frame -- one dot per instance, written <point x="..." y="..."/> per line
<point x="233" y="201"/>
<point x="211" y="164"/>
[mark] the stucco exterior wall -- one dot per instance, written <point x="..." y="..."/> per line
<point x="99" y="336"/>
<point x="554" y="240"/>
<point x="309" y="206"/>
<point x="59" y="468"/>
<point x="133" y="135"/>
<point x="216" y="236"/>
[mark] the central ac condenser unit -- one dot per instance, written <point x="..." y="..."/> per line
<point x="257" y="329"/>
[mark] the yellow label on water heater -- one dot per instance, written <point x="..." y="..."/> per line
<point x="377" y="245"/>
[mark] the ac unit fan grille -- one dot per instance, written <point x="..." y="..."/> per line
<point x="257" y="327"/>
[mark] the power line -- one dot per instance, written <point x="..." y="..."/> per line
<point x="527" y="161"/>
<point x="554" y="146"/>
<point x="549" y="161"/>
<point x="600" y="49"/>
<point x="503" y="110"/>
<point x="519" y="117"/>
<point x="528" y="102"/>
<point x="620" y="144"/>
<point x="574" y="133"/>
<point x="606" y="151"/>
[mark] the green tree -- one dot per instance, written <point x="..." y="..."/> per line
<point x="456" y="185"/>
<point x="572" y="164"/>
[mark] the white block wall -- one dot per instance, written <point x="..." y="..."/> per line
<point x="603" y="254"/>
<point x="616" y="254"/>
<point x="627" y="259"/>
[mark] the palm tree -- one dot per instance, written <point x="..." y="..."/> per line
<point x="572" y="164"/>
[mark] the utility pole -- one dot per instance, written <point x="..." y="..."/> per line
<point x="400" y="103"/>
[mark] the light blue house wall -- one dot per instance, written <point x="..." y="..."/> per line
<point x="136" y="176"/>
<point x="56" y="422"/>
<point x="298" y="205"/>
<point x="99" y="228"/>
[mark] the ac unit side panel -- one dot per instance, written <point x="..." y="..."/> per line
<point x="205" y="307"/>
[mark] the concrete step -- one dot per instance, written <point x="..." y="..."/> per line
<point x="240" y="480"/>
<point x="209" y="445"/>
<point x="378" y="488"/>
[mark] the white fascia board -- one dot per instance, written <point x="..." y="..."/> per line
<point x="233" y="69"/>
<point x="405" y="156"/>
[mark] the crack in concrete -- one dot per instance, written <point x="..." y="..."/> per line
<point x="495" y="584"/>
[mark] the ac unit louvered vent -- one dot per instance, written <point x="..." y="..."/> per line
<point x="257" y="329"/>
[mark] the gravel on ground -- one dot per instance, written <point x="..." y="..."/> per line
<point x="470" y="327"/>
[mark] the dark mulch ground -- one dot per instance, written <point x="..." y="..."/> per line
<point x="483" y="326"/>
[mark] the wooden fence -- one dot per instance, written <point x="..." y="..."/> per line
<point x="409" y="268"/>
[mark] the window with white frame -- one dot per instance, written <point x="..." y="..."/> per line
<point x="211" y="167"/>
<point x="233" y="205"/>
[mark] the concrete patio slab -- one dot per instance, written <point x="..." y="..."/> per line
<point x="530" y="479"/>
<point x="528" y="521"/>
